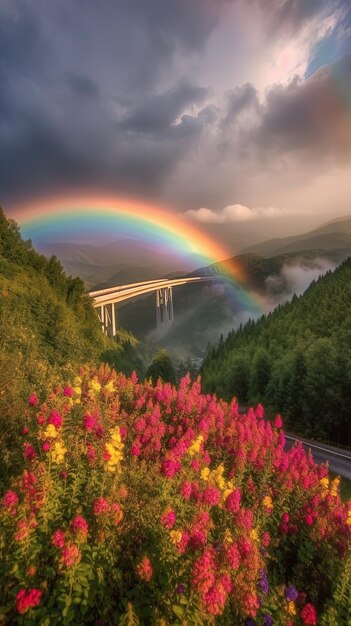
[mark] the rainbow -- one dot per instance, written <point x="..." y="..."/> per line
<point x="88" y="218"/>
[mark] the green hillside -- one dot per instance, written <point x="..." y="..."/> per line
<point x="47" y="327"/>
<point x="297" y="359"/>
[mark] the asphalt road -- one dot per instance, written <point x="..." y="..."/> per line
<point x="339" y="460"/>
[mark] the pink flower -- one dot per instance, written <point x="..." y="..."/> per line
<point x="186" y="490"/>
<point x="41" y="420"/>
<point x="135" y="449"/>
<point x="266" y="539"/>
<point x="144" y="569"/>
<point x="46" y="446"/>
<point x="168" y="519"/>
<point x="55" y="419"/>
<point x="26" y="600"/>
<point x="195" y="464"/>
<point x="169" y="467"/>
<point x="89" y="422"/>
<point x="259" y="411"/>
<point x="232" y="503"/>
<point x="10" y="500"/>
<point x="29" y="452"/>
<point x="100" y="506"/>
<point x="68" y="392"/>
<point x="33" y="400"/>
<point x="70" y="555"/>
<point x="203" y="574"/>
<point x="91" y="453"/>
<point x="211" y="495"/>
<point x="233" y="556"/>
<point x="79" y="527"/>
<point x="309" y="615"/>
<point x="278" y="422"/>
<point x="25" y="430"/>
<point x="58" y="539"/>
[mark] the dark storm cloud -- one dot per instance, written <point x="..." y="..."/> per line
<point x="81" y="92"/>
<point x="240" y="99"/>
<point x="92" y="92"/>
<point x="82" y="86"/>
<point x="309" y="116"/>
<point x="158" y="112"/>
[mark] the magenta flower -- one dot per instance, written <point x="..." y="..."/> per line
<point x="26" y="600"/>
<point x="168" y="519"/>
<point x="33" y="400"/>
<point x="55" y="419"/>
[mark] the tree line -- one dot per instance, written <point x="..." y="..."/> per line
<point x="296" y="360"/>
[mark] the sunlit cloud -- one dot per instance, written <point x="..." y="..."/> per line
<point x="232" y="213"/>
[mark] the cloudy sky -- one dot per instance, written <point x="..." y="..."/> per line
<point x="234" y="112"/>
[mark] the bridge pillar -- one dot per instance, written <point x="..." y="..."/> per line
<point x="113" y="319"/>
<point x="164" y="309"/>
<point x="107" y="319"/>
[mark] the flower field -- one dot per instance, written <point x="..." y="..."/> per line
<point x="155" y="505"/>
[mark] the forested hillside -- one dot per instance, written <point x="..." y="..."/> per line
<point x="46" y="320"/>
<point x="297" y="359"/>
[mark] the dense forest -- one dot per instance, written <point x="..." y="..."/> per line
<point x="297" y="360"/>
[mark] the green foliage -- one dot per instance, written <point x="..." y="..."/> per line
<point x="46" y="321"/>
<point x="297" y="360"/>
<point x="161" y="367"/>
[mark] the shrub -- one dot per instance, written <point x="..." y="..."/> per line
<point x="156" y="505"/>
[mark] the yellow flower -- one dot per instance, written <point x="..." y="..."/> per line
<point x="77" y="391"/>
<point x="221" y="483"/>
<point x="267" y="502"/>
<point x="196" y="445"/>
<point x="50" y="432"/>
<point x="116" y="436"/>
<point x="77" y="381"/>
<point x="176" y="536"/>
<point x="110" y="386"/>
<point x="94" y="385"/>
<point x="334" y="488"/>
<point x="228" y="538"/>
<point x="58" y="452"/>
<point x="114" y="449"/>
<point x="348" y="521"/>
<point x="205" y="473"/>
<point x="324" y="482"/>
<point x="292" y="608"/>
<point x="254" y="534"/>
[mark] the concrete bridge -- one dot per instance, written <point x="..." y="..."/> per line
<point x="105" y="301"/>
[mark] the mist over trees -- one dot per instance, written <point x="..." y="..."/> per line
<point x="296" y="360"/>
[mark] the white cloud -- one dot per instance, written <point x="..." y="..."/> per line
<point x="231" y="213"/>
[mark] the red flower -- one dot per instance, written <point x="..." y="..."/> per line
<point x="144" y="569"/>
<point x="26" y="600"/>
<point x="33" y="400"/>
<point x="168" y="519"/>
<point x="309" y="615"/>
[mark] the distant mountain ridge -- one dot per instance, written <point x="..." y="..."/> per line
<point x="331" y="236"/>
